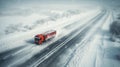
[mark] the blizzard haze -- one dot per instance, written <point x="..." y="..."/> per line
<point x="83" y="37"/>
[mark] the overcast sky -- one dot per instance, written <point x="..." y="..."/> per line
<point x="8" y="3"/>
<point x="49" y="1"/>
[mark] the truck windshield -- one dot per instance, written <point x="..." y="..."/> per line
<point x="37" y="39"/>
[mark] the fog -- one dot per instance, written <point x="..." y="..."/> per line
<point x="7" y="4"/>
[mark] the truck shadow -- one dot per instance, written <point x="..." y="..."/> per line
<point x="31" y="41"/>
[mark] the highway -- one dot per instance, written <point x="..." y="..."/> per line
<point x="50" y="55"/>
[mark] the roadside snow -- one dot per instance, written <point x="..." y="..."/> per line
<point x="18" y="39"/>
<point x="22" y="23"/>
<point x="100" y="51"/>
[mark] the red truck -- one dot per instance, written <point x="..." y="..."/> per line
<point x="40" y="38"/>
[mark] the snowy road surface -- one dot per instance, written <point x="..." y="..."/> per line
<point x="71" y="47"/>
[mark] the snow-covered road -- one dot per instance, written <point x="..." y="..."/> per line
<point x="72" y="56"/>
<point x="68" y="48"/>
<point x="88" y="58"/>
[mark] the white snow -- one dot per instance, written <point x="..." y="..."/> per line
<point x="19" y="24"/>
<point x="100" y="51"/>
<point x="61" y="32"/>
<point x="21" y="35"/>
<point x="12" y="39"/>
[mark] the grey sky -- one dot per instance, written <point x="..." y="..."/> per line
<point x="8" y="3"/>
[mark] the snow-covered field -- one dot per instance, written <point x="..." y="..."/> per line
<point x="22" y="23"/>
<point x="19" y="29"/>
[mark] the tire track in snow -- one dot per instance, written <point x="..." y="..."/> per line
<point x="26" y="49"/>
<point x="56" y="49"/>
